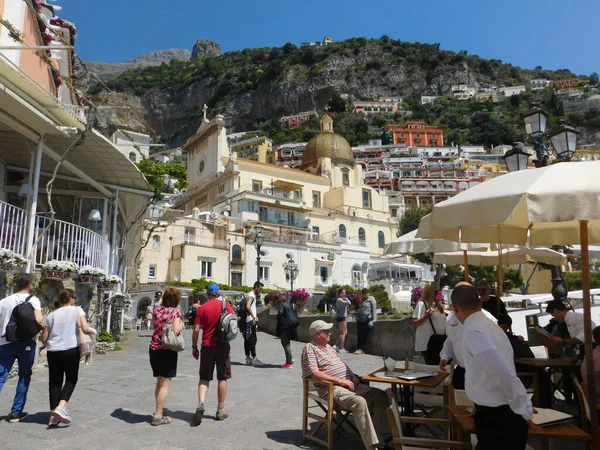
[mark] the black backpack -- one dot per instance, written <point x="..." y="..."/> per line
<point x="241" y="310"/>
<point x="22" y="325"/>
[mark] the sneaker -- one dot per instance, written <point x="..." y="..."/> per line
<point x="287" y="366"/>
<point x="249" y="361"/>
<point x="62" y="415"/>
<point x="14" y="418"/>
<point x="359" y="352"/>
<point x="293" y="360"/>
<point x="336" y="348"/>
<point x="53" y="422"/>
<point x="222" y="415"/>
<point x="343" y="350"/>
<point x="257" y="363"/>
<point x="197" y="420"/>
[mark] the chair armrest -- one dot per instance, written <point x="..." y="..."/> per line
<point x="437" y="443"/>
<point x="425" y="420"/>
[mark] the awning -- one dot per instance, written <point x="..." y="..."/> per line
<point x="286" y="186"/>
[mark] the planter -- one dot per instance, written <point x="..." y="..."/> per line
<point x="89" y="279"/>
<point x="56" y="275"/>
<point x="6" y="267"/>
<point x="108" y="285"/>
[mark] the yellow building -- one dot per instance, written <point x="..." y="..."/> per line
<point x="322" y="214"/>
<point x="257" y="149"/>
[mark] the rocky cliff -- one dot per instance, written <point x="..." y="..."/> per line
<point x="252" y="86"/>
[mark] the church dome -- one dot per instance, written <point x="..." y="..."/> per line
<point x="328" y="144"/>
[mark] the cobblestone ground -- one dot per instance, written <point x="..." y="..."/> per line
<point x="114" y="399"/>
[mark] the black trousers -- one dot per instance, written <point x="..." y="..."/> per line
<point x="362" y="329"/>
<point x="499" y="428"/>
<point x="458" y="378"/>
<point x="63" y="366"/>
<point x="250" y="339"/>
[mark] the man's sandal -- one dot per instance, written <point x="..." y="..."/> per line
<point x="164" y="420"/>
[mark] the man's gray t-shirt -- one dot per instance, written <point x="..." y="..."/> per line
<point x="341" y="306"/>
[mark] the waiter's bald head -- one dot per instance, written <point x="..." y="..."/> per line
<point x="462" y="283"/>
<point x="465" y="296"/>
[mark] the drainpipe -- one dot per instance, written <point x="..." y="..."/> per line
<point x="31" y="225"/>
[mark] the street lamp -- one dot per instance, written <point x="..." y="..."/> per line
<point x="259" y="240"/>
<point x="291" y="270"/>
<point x="564" y="142"/>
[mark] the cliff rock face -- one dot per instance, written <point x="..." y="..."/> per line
<point x="205" y="48"/>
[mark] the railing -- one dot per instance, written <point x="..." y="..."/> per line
<point x="13" y="231"/>
<point x="65" y="241"/>
<point x="272" y="192"/>
<point x="320" y="281"/>
<point x="190" y="239"/>
<point x="62" y="241"/>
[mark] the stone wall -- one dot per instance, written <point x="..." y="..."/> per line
<point x="393" y="338"/>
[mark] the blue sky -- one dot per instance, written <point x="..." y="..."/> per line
<point x="551" y="33"/>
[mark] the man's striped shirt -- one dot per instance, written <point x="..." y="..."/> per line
<point x="324" y="359"/>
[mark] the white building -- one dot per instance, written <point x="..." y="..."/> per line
<point x="537" y="84"/>
<point x="462" y="91"/>
<point x="135" y="146"/>
<point x="425" y="99"/>
<point x="509" y="91"/>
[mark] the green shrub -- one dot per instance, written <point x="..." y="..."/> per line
<point x="107" y="337"/>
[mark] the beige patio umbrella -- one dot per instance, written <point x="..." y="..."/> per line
<point x="508" y="256"/>
<point x="554" y="205"/>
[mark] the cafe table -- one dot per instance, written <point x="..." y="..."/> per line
<point x="545" y="380"/>
<point x="465" y="426"/>
<point x="406" y="389"/>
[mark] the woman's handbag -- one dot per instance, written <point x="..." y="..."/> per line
<point x="434" y="346"/>
<point x="84" y="342"/>
<point x="172" y="340"/>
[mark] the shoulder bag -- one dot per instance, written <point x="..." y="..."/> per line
<point x="170" y="339"/>
<point x="84" y="341"/>
<point x="434" y="345"/>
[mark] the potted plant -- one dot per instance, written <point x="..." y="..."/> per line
<point x="10" y="260"/>
<point x="91" y="275"/>
<point x="110" y="282"/>
<point x="58" y="270"/>
<point x="121" y="300"/>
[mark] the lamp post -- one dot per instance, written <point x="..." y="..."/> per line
<point x="259" y="240"/>
<point x="564" y="143"/>
<point x="291" y="271"/>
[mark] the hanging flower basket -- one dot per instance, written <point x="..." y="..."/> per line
<point x="10" y="261"/>
<point x="89" y="279"/>
<point x="56" y="275"/>
<point x="108" y="285"/>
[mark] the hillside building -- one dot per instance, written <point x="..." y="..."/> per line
<point x="257" y="149"/>
<point x="295" y="120"/>
<point x="416" y="133"/>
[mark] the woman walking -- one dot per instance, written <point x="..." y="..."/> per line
<point x="162" y="360"/>
<point x="192" y="313"/>
<point x="60" y="336"/>
<point x="287" y="322"/>
<point x="367" y="316"/>
<point x="430" y="320"/>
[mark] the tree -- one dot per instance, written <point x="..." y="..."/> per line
<point x="411" y="219"/>
<point x="336" y="103"/>
<point x="594" y="78"/>
<point x="157" y="173"/>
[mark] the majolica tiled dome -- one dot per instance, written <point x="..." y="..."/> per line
<point x="328" y="144"/>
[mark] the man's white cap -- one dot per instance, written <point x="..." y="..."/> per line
<point x="319" y="325"/>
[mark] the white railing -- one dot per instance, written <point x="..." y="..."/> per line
<point x="65" y="241"/>
<point x="13" y="231"/>
<point x="62" y="241"/>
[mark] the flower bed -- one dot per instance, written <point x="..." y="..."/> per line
<point x="10" y="260"/>
<point x="58" y="270"/>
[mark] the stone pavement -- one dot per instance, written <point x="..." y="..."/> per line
<point x="114" y="399"/>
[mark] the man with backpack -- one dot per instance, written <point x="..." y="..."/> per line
<point x="217" y="319"/>
<point x="20" y="321"/>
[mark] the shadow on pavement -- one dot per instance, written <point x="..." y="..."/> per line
<point x="130" y="417"/>
<point x="41" y="418"/>
<point x="287" y="437"/>
<point x="184" y="416"/>
<point x="264" y="366"/>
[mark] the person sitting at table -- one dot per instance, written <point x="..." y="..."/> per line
<point x="451" y="351"/>
<point x="501" y="402"/>
<point x="574" y="321"/>
<point x="491" y="303"/>
<point x="520" y="348"/>
<point x="596" y="360"/>
<point x="320" y="362"/>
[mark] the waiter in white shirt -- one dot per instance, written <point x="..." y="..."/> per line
<point x="453" y="344"/>
<point x="573" y="321"/>
<point x="503" y="411"/>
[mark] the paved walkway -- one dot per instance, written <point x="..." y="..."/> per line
<point x="114" y="399"/>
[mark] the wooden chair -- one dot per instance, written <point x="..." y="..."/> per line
<point x="401" y="442"/>
<point x="333" y="419"/>
<point x="584" y="406"/>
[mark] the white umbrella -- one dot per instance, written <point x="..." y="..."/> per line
<point x="507" y="256"/>
<point x="410" y="244"/>
<point x="554" y="205"/>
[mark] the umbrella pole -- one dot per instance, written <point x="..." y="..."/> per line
<point x="466" y="263"/>
<point x="587" y="327"/>
<point x="499" y="285"/>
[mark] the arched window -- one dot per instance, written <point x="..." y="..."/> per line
<point x="362" y="237"/>
<point x="342" y="231"/>
<point x="132" y="157"/>
<point x="156" y="241"/>
<point x="236" y="252"/>
<point x="381" y="239"/>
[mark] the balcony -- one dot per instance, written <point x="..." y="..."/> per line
<point x="53" y="239"/>
<point x="323" y="282"/>
<point x="199" y="241"/>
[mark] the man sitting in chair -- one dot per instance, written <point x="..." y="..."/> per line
<point x="320" y="362"/>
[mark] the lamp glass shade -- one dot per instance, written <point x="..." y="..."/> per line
<point x="564" y="141"/>
<point x="287" y="270"/>
<point x="516" y="159"/>
<point x="259" y="235"/>
<point x="25" y="190"/>
<point x="294" y="273"/>
<point x="535" y="122"/>
<point x="94" y="216"/>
